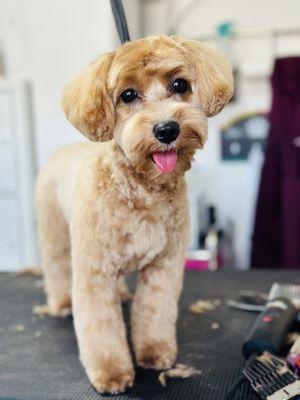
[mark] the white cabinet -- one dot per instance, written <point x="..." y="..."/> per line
<point x="7" y="165"/>
<point x="17" y="171"/>
<point x="10" y="252"/>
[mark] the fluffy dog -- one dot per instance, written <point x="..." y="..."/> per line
<point x="105" y="209"/>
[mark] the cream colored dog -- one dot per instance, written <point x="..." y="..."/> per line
<point x="105" y="209"/>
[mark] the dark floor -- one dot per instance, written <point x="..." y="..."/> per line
<point x="39" y="357"/>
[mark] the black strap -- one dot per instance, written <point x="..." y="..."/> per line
<point x="120" y="20"/>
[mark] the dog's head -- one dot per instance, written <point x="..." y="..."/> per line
<point x="153" y="97"/>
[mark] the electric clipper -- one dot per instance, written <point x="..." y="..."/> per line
<point x="268" y="375"/>
<point x="273" y="323"/>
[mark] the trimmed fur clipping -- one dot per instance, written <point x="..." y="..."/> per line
<point x="202" y="306"/>
<point x="179" y="371"/>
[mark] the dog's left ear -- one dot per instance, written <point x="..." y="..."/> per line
<point x="214" y="75"/>
<point x="87" y="103"/>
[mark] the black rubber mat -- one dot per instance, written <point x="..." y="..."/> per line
<point x="39" y="357"/>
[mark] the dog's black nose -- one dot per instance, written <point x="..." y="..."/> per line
<point x="166" y="132"/>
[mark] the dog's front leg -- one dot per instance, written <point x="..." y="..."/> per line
<point x="154" y="313"/>
<point x="98" y="322"/>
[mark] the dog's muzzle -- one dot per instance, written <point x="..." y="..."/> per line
<point x="166" y="132"/>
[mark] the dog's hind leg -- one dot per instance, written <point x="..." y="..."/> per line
<point x="54" y="241"/>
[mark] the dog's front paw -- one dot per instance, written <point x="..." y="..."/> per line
<point x="112" y="380"/>
<point x="157" y="355"/>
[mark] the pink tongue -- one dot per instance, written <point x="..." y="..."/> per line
<point x="165" y="161"/>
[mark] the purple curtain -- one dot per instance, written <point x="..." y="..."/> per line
<point x="276" y="236"/>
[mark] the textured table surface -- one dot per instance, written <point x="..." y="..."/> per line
<point x="39" y="357"/>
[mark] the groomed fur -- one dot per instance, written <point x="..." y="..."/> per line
<point x="109" y="209"/>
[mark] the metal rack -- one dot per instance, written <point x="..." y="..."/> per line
<point x="255" y="34"/>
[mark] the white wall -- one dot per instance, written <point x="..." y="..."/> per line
<point x="207" y="14"/>
<point x="47" y="42"/>
<point x="63" y="37"/>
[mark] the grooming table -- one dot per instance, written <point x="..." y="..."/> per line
<point x="39" y="357"/>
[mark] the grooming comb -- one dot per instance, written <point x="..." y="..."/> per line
<point x="271" y="378"/>
<point x="287" y="290"/>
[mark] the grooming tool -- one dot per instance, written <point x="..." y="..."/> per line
<point x="249" y="300"/>
<point x="293" y="358"/>
<point x="120" y="20"/>
<point x="272" y="325"/>
<point x="271" y="378"/>
<point x="268" y="375"/>
<point x="287" y="290"/>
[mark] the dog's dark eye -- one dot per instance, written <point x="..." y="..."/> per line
<point x="129" y="95"/>
<point x="180" y="86"/>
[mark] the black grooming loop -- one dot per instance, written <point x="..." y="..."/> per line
<point x="120" y="20"/>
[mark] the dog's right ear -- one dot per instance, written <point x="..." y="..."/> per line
<point x="87" y="103"/>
